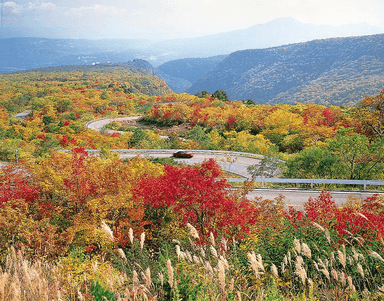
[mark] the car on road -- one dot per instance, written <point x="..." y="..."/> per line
<point x="183" y="154"/>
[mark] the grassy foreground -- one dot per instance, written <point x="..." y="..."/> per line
<point x="288" y="257"/>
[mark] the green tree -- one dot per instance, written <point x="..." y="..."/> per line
<point x="199" y="135"/>
<point x="310" y="163"/>
<point x="139" y="138"/>
<point x="220" y="94"/>
<point x="202" y="94"/>
<point x="63" y="105"/>
<point x="268" y="167"/>
<point x="357" y="159"/>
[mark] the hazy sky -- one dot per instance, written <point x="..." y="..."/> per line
<point x="173" y="18"/>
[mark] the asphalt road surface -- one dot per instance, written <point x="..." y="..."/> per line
<point x="235" y="164"/>
<point x="97" y="125"/>
<point x="296" y="198"/>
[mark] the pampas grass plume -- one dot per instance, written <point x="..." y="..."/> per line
<point x="208" y="267"/>
<point x="212" y="239"/>
<point x="130" y="234"/>
<point x="375" y="255"/>
<point x="350" y="283"/>
<point x="135" y="278"/>
<point x="232" y="285"/>
<point x="274" y="271"/>
<point x="342" y="258"/>
<point x="178" y="253"/>
<point x="170" y="273"/>
<point x="193" y="231"/>
<point x="360" y="270"/>
<point x="142" y="239"/>
<point x="161" y="278"/>
<point x="224" y="242"/>
<point x="256" y="263"/>
<point x="300" y="271"/>
<point x="148" y="279"/>
<point x="107" y="231"/>
<point x="196" y="260"/>
<point x="213" y="251"/>
<point x="318" y="226"/>
<point x="202" y="252"/>
<point x="334" y="274"/>
<point x="328" y="236"/>
<point x="121" y="254"/>
<point x="297" y="245"/>
<point x="305" y="250"/>
<point x="221" y="275"/>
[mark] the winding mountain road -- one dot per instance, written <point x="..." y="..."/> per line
<point x="236" y="163"/>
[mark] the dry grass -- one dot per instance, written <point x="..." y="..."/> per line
<point x="211" y="267"/>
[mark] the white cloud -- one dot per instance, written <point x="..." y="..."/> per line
<point x="40" y="5"/>
<point x="17" y="8"/>
<point x="14" y="7"/>
<point x="105" y="10"/>
<point x="48" y="5"/>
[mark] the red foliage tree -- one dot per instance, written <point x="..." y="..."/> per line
<point x="361" y="221"/>
<point x="15" y="185"/>
<point x="198" y="196"/>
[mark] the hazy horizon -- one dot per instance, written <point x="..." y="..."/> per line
<point x="171" y="19"/>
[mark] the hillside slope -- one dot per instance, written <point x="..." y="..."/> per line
<point x="330" y="71"/>
<point x="139" y="73"/>
<point x="191" y="69"/>
<point x="19" y="54"/>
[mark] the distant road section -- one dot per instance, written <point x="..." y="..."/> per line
<point x="98" y="125"/>
<point x="22" y="115"/>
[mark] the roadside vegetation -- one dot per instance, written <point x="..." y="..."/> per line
<point x="81" y="227"/>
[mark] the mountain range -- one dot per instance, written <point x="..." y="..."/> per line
<point x="274" y="33"/>
<point x="328" y="71"/>
<point x="28" y="53"/>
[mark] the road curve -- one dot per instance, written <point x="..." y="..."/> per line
<point x="98" y="124"/>
<point x="237" y="164"/>
<point x="234" y="163"/>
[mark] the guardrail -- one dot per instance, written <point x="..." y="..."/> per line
<point x="174" y="150"/>
<point x="313" y="181"/>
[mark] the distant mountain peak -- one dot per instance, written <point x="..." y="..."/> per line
<point x="283" y="20"/>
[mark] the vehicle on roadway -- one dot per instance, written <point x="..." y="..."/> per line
<point x="183" y="154"/>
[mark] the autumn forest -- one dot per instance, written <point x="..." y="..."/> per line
<point x="75" y="226"/>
